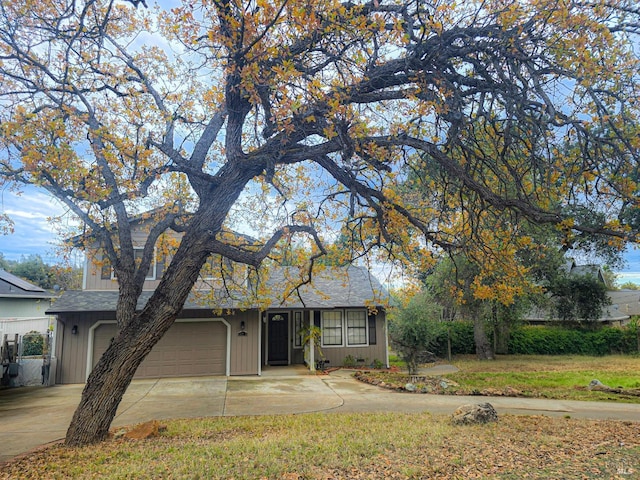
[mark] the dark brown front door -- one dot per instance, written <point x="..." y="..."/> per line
<point x="278" y="344"/>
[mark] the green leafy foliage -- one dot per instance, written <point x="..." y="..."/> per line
<point x="539" y="340"/>
<point x="35" y="270"/>
<point x="377" y="364"/>
<point x="579" y="298"/>
<point x="349" y="361"/>
<point x="545" y="340"/>
<point x="462" y="341"/>
<point x="415" y="329"/>
<point x="32" y="344"/>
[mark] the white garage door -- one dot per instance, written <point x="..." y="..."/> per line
<point x="187" y="349"/>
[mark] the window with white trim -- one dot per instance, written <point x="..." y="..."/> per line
<point x="137" y="253"/>
<point x="356" y="327"/>
<point x="331" y="328"/>
<point x="107" y="272"/>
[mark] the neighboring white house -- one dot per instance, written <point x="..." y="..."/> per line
<point x="22" y="310"/>
<point x="22" y="306"/>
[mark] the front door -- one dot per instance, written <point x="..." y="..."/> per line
<point x="278" y="344"/>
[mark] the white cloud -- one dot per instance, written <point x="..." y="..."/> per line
<point x="624" y="277"/>
<point x="34" y="233"/>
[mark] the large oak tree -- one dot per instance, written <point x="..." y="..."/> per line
<point x="304" y="114"/>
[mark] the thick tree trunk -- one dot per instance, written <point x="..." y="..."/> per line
<point x="112" y="375"/>
<point x="483" y="346"/>
<point x="102" y="394"/>
<point x="114" y="371"/>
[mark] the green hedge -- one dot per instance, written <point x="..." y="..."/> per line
<point x="462" y="342"/>
<point x="543" y="340"/>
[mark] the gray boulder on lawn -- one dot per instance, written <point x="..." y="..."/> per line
<point x="471" y="414"/>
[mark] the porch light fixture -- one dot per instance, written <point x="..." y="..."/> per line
<point x="74" y="330"/>
<point x="242" y="332"/>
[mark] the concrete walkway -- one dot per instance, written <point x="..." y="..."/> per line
<point x="32" y="416"/>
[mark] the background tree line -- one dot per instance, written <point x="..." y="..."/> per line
<point x="437" y="319"/>
<point x="50" y="277"/>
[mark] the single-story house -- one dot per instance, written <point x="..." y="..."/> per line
<point x="624" y="303"/>
<point x="611" y="315"/>
<point x="221" y="337"/>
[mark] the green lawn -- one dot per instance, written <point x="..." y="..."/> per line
<point x="561" y="377"/>
<point x="552" y="376"/>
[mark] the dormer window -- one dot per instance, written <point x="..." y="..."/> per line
<point x="155" y="269"/>
<point x="151" y="273"/>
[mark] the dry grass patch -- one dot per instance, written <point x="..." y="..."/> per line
<point x="353" y="446"/>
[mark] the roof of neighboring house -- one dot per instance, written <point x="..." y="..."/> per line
<point x="624" y="304"/>
<point x="611" y="313"/>
<point x="332" y="287"/>
<point x="15" y="287"/>
<point x="626" y="301"/>
<point x="591" y="270"/>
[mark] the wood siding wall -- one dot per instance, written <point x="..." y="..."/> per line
<point x="336" y="355"/>
<point x="93" y="271"/>
<point x="71" y="350"/>
<point x="244" y="355"/>
<point x="244" y="348"/>
<point x="94" y="280"/>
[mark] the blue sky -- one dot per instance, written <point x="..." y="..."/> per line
<point x="35" y="234"/>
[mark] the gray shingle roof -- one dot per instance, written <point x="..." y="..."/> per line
<point x="332" y="287"/>
<point x="12" y="286"/>
<point x="106" y="300"/>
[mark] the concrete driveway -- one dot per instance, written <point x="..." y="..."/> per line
<point x="32" y="416"/>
